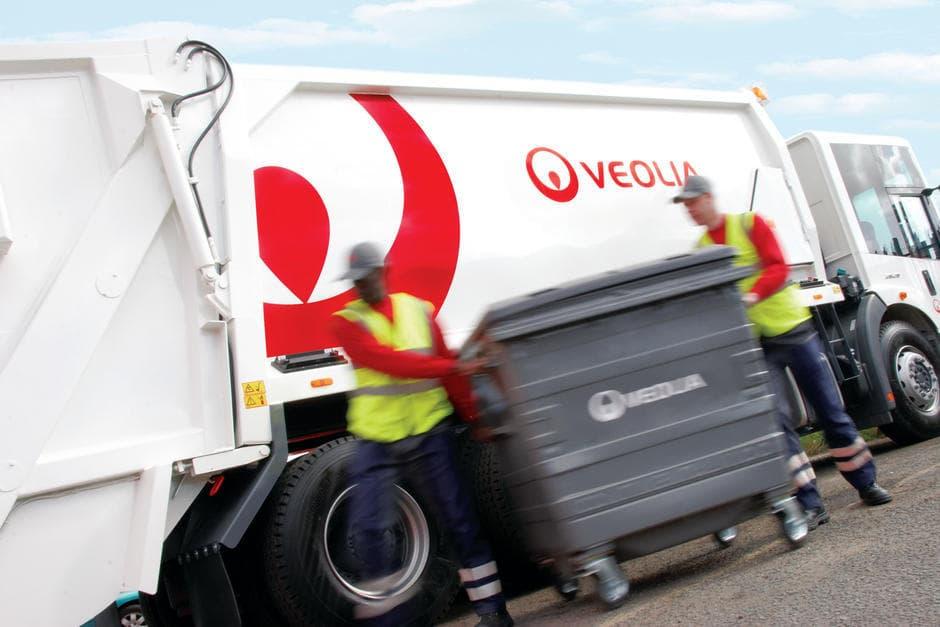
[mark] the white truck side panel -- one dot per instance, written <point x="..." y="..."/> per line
<point x="76" y="544"/>
<point x="627" y="151"/>
<point x="109" y="372"/>
<point x="53" y="198"/>
<point x="241" y="280"/>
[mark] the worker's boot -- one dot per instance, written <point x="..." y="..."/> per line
<point x="816" y="516"/>
<point x="874" y="495"/>
<point x="496" y="619"/>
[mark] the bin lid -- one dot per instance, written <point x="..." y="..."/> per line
<point x="610" y="292"/>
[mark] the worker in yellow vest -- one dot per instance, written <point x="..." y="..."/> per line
<point x="401" y="411"/>
<point x="790" y="341"/>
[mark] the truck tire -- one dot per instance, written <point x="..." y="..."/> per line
<point x="913" y="366"/>
<point x="151" y="610"/>
<point x="309" y="560"/>
<point x="131" y="615"/>
<point x="498" y="520"/>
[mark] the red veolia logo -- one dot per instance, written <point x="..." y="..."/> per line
<point x="294" y="233"/>
<point x="555" y="192"/>
<point x="619" y="174"/>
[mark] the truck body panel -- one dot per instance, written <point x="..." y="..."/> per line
<point x="109" y="369"/>
<point x="486" y="186"/>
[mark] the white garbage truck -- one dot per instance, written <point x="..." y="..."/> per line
<point x="172" y="230"/>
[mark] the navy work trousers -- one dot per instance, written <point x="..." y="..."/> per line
<point x="811" y="372"/>
<point x="430" y="462"/>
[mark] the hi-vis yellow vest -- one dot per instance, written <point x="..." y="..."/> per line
<point x="384" y="408"/>
<point x="776" y="314"/>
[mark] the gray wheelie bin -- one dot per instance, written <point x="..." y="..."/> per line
<point x="632" y="412"/>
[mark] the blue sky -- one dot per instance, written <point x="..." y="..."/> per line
<point x="842" y="65"/>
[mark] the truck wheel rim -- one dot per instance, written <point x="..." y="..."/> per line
<point x="133" y="619"/>
<point x="411" y="541"/>
<point x="918" y="379"/>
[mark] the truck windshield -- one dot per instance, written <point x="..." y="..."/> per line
<point x="891" y="224"/>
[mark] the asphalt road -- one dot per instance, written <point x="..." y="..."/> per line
<point x="868" y="566"/>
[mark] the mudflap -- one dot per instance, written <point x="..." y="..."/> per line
<point x="870" y="404"/>
<point x="214" y="524"/>
<point x="211" y="596"/>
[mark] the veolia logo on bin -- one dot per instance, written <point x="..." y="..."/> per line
<point x="611" y="404"/>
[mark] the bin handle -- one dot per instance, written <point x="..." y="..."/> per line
<point x="499" y="433"/>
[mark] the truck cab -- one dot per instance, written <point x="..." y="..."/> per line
<point x="878" y="223"/>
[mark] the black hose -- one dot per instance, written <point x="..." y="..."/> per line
<point x="196" y="47"/>
<point x="174" y="108"/>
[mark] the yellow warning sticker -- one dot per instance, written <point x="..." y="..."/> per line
<point x="255" y="394"/>
<point x="253" y="387"/>
<point x="255" y="400"/>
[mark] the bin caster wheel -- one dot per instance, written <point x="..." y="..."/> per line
<point x="726" y="537"/>
<point x="612" y="586"/>
<point x="567" y="588"/>
<point x="792" y="521"/>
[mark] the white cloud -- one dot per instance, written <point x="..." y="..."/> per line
<point x="413" y="22"/>
<point x="917" y="125"/>
<point x="821" y="104"/>
<point x="709" y="78"/>
<point x="656" y="77"/>
<point x="601" y="57"/>
<point x="269" y="33"/>
<point x="860" y="6"/>
<point x="597" y="24"/>
<point x="371" y="12"/>
<point x="407" y="22"/>
<point x="688" y="11"/>
<point x="561" y="7"/>
<point x="898" y="66"/>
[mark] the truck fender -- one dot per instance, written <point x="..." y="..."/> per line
<point x="193" y="552"/>
<point x="868" y="317"/>
<point x="222" y="519"/>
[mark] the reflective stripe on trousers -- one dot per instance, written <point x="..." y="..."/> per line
<point x="376" y="468"/>
<point x="803" y="484"/>
<point x="811" y="372"/>
<point x="801" y="471"/>
<point x="852" y="457"/>
<point x="481" y="582"/>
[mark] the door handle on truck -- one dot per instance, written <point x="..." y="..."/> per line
<point x="929" y="282"/>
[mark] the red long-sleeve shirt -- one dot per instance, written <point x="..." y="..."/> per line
<point x="774" y="269"/>
<point x="365" y="351"/>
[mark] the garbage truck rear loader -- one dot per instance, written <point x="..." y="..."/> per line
<point x="171" y="402"/>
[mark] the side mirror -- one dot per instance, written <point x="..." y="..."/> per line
<point x="926" y="192"/>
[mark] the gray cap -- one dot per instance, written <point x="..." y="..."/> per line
<point x="363" y="259"/>
<point x="695" y="186"/>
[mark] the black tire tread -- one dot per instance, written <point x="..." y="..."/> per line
<point x="498" y="519"/>
<point x="901" y="431"/>
<point x="295" y="604"/>
<point x="274" y="546"/>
